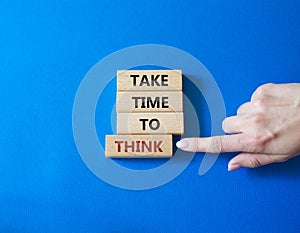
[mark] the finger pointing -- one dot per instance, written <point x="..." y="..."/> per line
<point x="216" y="144"/>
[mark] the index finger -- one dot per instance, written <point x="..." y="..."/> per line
<point x="215" y="144"/>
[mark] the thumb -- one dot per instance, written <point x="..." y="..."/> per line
<point x="251" y="160"/>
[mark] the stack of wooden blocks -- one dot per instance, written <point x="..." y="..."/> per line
<point x="149" y="110"/>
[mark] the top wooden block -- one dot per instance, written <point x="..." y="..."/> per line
<point x="149" y="80"/>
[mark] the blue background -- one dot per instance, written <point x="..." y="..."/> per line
<point x="46" y="48"/>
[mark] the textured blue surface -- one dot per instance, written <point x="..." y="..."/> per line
<point x="46" y="47"/>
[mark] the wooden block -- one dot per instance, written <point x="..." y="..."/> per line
<point x="138" y="146"/>
<point x="146" y="80"/>
<point x="168" y="101"/>
<point x="154" y="123"/>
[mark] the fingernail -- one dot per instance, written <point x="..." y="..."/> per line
<point x="232" y="167"/>
<point x="182" y="144"/>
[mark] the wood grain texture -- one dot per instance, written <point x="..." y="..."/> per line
<point x="138" y="146"/>
<point x="154" y="123"/>
<point x="168" y="101"/>
<point x="142" y="80"/>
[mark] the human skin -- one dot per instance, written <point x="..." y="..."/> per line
<point x="265" y="130"/>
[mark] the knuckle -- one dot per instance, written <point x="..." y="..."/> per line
<point x="254" y="162"/>
<point x="256" y="143"/>
<point x="259" y="140"/>
<point x="243" y="108"/>
<point x="257" y="118"/>
<point x="266" y="88"/>
<point x="259" y="102"/>
<point x="239" y="110"/>
<point x="263" y="90"/>
<point x="216" y="144"/>
<point x="250" y="161"/>
<point x="260" y="105"/>
<point x="270" y="135"/>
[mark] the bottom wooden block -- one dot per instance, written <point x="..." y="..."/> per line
<point x="139" y="146"/>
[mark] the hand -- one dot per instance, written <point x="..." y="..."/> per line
<point x="265" y="130"/>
